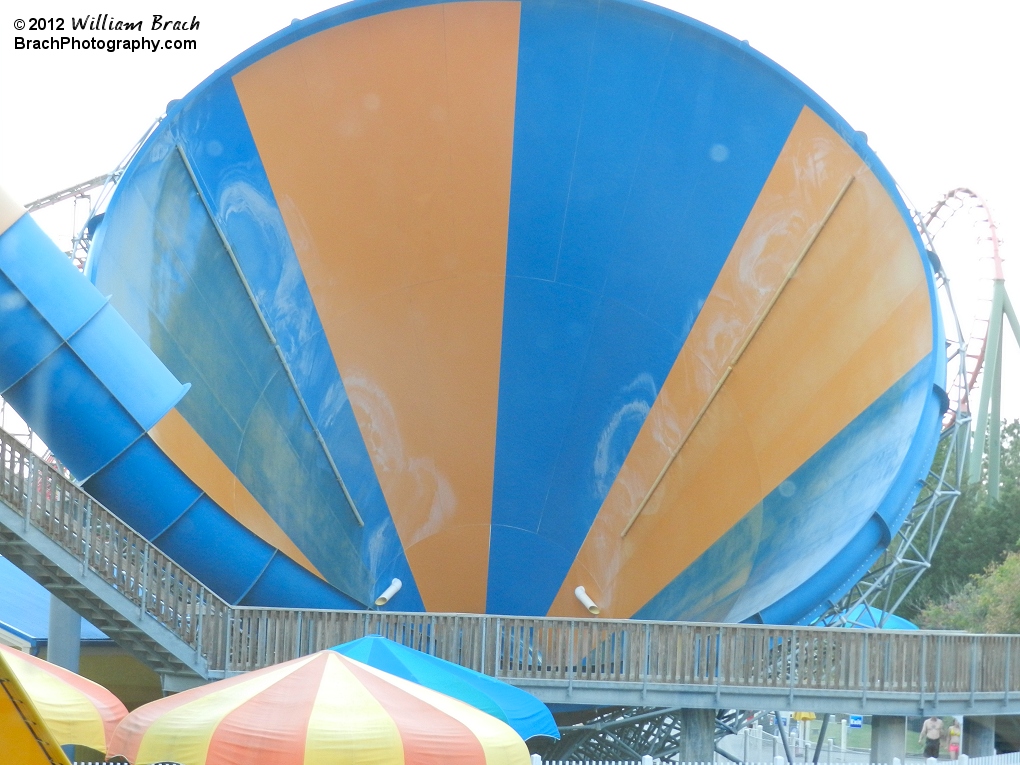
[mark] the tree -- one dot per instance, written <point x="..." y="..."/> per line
<point x="990" y="602"/>
<point x="974" y="580"/>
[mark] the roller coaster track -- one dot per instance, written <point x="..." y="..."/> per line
<point x="971" y="346"/>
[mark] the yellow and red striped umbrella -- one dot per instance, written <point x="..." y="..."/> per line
<point x="75" y="710"/>
<point x="323" y="708"/>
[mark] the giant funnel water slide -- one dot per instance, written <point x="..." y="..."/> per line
<point x="501" y="299"/>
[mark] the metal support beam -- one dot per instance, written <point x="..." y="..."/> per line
<point x="988" y="427"/>
<point x="991" y="367"/>
<point x="785" y="739"/>
<point x="70" y="192"/>
<point x="821" y="738"/>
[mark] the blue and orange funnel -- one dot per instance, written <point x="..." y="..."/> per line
<point x="506" y="299"/>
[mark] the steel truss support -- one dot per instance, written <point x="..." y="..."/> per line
<point x="80" y="192"/>
<point x="625" y="733"/>
<point x="630" y="733"/>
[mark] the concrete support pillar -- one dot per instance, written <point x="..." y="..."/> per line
<point x="64" y="645"/>
<point x="697" y="734"/>
<point x="978" y="736"/>
<point x="888" y="738"/>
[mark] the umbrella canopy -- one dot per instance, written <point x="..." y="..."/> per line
<point x="26" y="740"/>
<point x="317" y="709"/>
<point x="518" y="709"/>
<point x="75" y="710"/>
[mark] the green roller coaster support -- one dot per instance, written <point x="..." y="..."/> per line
<point x="988" y="426"/>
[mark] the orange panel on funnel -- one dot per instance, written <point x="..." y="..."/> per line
<point x="854" y="318"/>
<point x="388" y="144"/>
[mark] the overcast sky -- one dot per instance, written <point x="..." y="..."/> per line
<point x="933" y="84"/>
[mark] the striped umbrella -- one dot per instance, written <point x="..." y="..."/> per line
<point x="75" y="710"/>
<point x="323" y="708"/>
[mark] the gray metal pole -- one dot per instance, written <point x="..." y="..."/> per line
<point x="821" y="738"/>
<point x="782" y="737"/>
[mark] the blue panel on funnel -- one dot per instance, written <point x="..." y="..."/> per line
<point x="228" y="172"/>
<point x="620" y="200"/>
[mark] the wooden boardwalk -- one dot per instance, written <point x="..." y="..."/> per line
<point x="147" y="602"/>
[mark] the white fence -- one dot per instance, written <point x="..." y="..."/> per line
<point x="755" y="745"/>
<point x="1013" y="758"/>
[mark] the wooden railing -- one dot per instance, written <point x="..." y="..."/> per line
<point x="111" y="550"/>
<point x="732" y="655"/>
<point x="237" y="639"/>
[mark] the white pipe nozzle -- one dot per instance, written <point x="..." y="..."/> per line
<point x="389" y="592"/>
<point x="587" y="602"/>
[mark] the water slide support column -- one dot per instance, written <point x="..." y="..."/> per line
<point x="888" y="738"/>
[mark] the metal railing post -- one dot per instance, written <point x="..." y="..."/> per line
<point x="938" y="668"/>
<point x="973" y="668"/>
<point x="227" y="636"/>
<point x="200" y="625"/>
<point x="924" y="670"/>
<point x="572" y="667"/>
<point x="145" y="581"/>
<point x="865" y="669"/>
<point x="718" y="665"/>
<point x="31" y="491"/>
<point x="1007" y="669"/>
<point x="87" y="533"/>
<point x="485" y="624"/>
<point x="645" y="660"/>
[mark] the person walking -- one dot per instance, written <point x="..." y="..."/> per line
<point x="954" y="739"/>
<point x="931" y="736"/>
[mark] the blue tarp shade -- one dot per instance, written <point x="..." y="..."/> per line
<point x="867" y="617"/>
<point x="518" y="709"/>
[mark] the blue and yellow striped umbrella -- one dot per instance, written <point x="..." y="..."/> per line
<point x="507" y="298"/>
